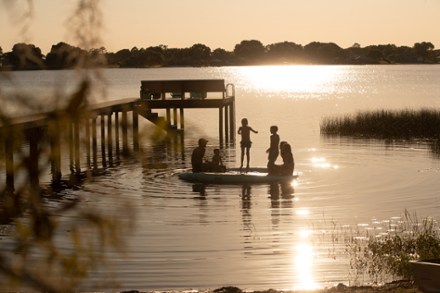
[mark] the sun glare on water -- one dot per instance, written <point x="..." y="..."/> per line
<point x="303" y="261"/>
<point x="302" y="79"/>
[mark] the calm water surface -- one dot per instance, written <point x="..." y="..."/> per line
<point x="187" y="236"/>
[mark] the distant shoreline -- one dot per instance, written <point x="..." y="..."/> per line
<point x="246" y="53"/>
<point x="393" y="287"/>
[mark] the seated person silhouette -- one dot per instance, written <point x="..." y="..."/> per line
<point x="216" y="164"/>
<point x="198" y="155"/>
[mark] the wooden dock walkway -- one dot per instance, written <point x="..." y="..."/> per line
<point x="116" y="121"/>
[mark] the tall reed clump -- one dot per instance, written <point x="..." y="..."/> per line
<point x="403" y="124"/>
<point x="388" y="254"/>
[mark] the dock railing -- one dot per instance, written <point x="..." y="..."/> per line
<point x="190" y="88"/>
<point x="176" y="95"/>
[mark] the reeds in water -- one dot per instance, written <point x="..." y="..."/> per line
<point x="387" y="124"/>
<point x="390" y="251"/>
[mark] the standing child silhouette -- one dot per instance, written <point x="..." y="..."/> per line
<point x="246" y="143"/>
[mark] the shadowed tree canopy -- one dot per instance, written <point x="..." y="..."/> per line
<point x="221" y="57"/>
<point x="327" y="53"/>
<point x="199" y="54"/>
<point x="25" y="57"/>
<point x="247" y="52"/>
<point x="63" y="56"/>
<point x="284" y="52"/>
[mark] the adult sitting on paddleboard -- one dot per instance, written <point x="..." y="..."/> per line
<point x="198" y="155"/>
<point x="286" y="169"/>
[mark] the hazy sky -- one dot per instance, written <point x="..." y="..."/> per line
<point x="225" y="23"/>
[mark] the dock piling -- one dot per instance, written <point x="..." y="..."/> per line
<point x="81" y="133"/>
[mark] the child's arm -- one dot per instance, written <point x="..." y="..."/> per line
<point x="254" y="131"/>
<point x="239" y="130"/>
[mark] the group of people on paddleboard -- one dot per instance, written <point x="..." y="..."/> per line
<point x="276" y="148"/>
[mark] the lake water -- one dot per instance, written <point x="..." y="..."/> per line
<point x="263" y="237"/>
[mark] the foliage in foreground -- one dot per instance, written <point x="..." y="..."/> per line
<point x="50" y="245"/>
<point x="389" y="251"/>
<point x="386" y="124"/>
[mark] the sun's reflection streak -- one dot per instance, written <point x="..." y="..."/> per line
<point x="303" y="261"/>
<point x="303" y="256"/>
<point x="291" y="78"/>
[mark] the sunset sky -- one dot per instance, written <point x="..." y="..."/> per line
<point x="225" y="23"/>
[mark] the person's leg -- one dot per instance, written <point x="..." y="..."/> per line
<point x="271" y="167"/>
<point x="248" y="158"/>
<point x="242" y="157"/>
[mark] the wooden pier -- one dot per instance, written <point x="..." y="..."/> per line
<point x="177" y="95"/>
<point x="99" y="130"/>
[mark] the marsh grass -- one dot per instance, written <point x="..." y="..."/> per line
<point x="384" y="253"/>
<point x="386" y="124"/>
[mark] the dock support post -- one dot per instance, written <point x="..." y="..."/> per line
<point x="175" y="124"/>
<point x="87" y="143"/>
<point x="104" y="163"/>
<point x="9" y="161"/>
<point x="135" y="130"/>
<point x="168" y="115"/>
<point x="226" y="124"/>
<point x="110" y="138"/>
<point x="117" y="134"/>
<point x="77" y="146"/>
<point x="124" y="126"/>
<point x="232" y="120"/>
<point x="220" y="124"/>
<point x="71" y="148"/>
<point x="182" y="119"/>
<point x="94" y="144"/>
<point x="55" y="153"/>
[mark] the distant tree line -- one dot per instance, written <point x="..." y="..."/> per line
<point x="248" y="52"/>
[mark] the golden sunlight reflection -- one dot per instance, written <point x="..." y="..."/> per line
<point x="302" y="212"/>
<point x="295" y="183"/>
<point x="297" y="78"/>
<point x="321" y="162"/>
<point x="303" y="262"/>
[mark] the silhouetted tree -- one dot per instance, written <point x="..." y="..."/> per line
<point x="199" y="55"/>
<point x="354" y="54"/>
<point x="326" y="53"/>
<point x="284" y="52"/>
<point x="98" y="56"/>
<point x="178" y="57"/>
<point x="249" y="52"/>
<point x="374" y="55"/>
<point x="65" y="56"/>
<point x="404" y="54"/>
<point x="120" y="58"/>
<point x="155" y="56"/>
<point x="221" y="57"/>
<point x="24" y="57"/>
<point x="381" y="53"/>
<point x="423" y="50"/>
<point x="137" y="58"/>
